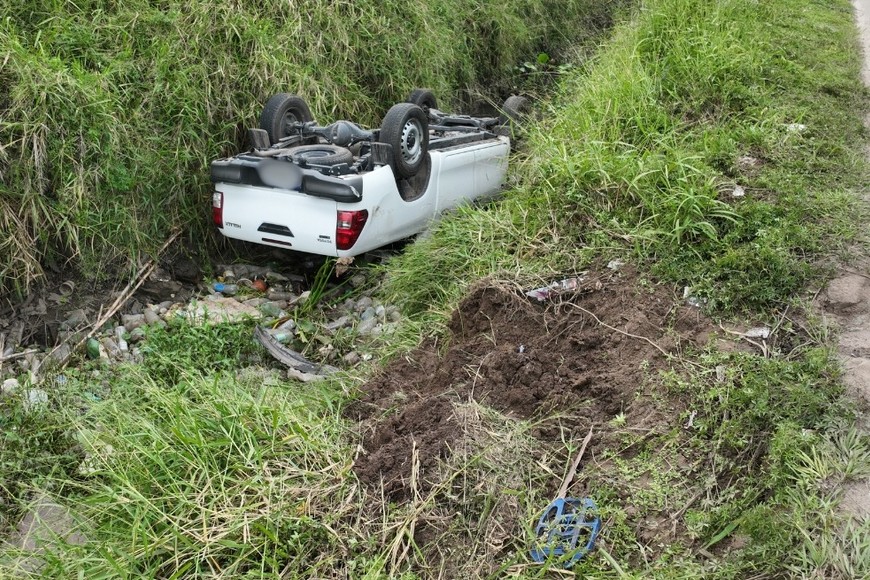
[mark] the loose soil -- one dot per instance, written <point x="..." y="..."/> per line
<point x="528" y="360"/>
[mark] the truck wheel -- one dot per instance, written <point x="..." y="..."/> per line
<point x="406" y="130"/>
<point x="321" y="154"/>
<point x="280" y="112"/>
<point x="516" y="109"/>
<point x="423" y="98"/>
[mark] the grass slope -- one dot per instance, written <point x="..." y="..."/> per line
<point x="644" y="146"/>
<point x="110" y="112"/>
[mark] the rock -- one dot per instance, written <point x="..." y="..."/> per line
<point x="847" y="291"/>
<point x="380" y="312"/>
<point x="393" y="314"/>
<point x="35" y="399"/>
<point x="366" y="326"/>
<point x="44" y="524"/>
<point x="74" y="318"/>
<point x="351" y="358"/>
<point x="274" y="295"/>
<point x="9" y="387"/>
<point x="132" y="321"/>
<point x="186" y="270"/>
<point x="338" y="323"/>
<point x="136" y="335"/>
<point x="358" y="281"/>
<point x="367" y="314"/>
<point x="151" y="317"/>
<point x="363" y="303"/>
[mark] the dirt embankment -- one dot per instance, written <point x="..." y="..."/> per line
<point x="583" y="356"/>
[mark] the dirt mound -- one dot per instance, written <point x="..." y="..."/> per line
<point x="526" y="359"/>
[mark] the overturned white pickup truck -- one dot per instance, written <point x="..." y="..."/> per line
<point x="341" y="190"/>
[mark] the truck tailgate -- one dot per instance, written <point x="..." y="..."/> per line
<point x="278" y="217"/>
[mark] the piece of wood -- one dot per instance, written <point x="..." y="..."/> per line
<point x="17" y="355"/>
<point x="569" y="477"/>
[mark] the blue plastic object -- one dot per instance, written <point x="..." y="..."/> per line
<point x="568" y="526"/>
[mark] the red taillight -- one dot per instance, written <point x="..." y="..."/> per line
<point x="217" y="208"/>
<point x="348" y="228"/>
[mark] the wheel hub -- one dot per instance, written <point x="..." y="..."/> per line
<point x="412" y="142"/>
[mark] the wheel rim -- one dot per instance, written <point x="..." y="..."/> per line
<point x="412" y="141"/>
<point x="287" y="124"/>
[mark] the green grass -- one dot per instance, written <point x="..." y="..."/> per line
<point x="642" y="149"/>
<point x="110" y="113"/>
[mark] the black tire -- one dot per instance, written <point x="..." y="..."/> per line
<point x="423" y="98"/>
<point x="516" y="109"/>
<point x="280" y="112"/>
<point x="406" y="129"/>
<point x="321" y="154"/>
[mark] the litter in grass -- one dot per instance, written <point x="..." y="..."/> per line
<point x="569" y="526"/>
<point x="288" y="356"/>
<point x="759" y="332"/>
<point x="546" y="292"/>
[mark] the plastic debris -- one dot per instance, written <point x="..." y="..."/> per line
<point x="289" y="357"/>
<point x="569" y="526"/>
<point x="796" y="127"/>
<point x="35" y="399"/>
<point x="738" y="191"/>
<point x="759" y="332"/>
<point x="93" y="348"/>
<point x="547" y="292"/>
<point x="691" y="299"/>
<point x="615" y="264"/>
<point x="226" y="289"/>
<point x="9" y="386"/>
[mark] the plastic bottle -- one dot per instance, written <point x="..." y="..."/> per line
<point x="226" y="289"/>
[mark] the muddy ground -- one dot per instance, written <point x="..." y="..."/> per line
<point x="526" y="359"/>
